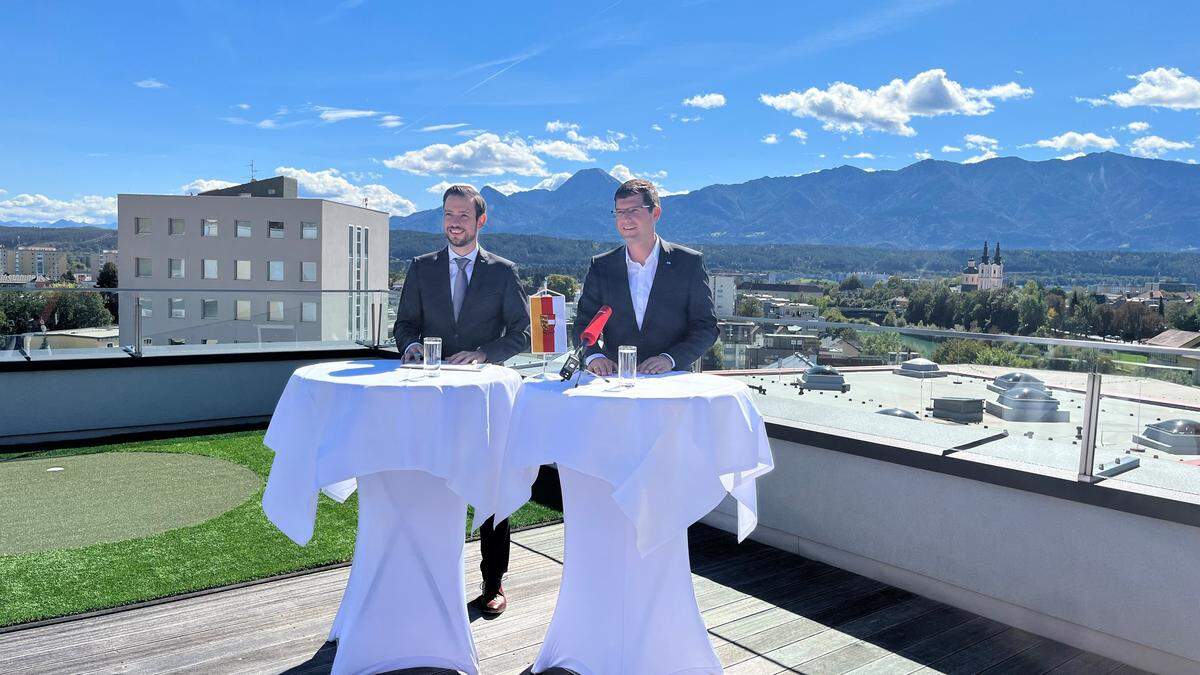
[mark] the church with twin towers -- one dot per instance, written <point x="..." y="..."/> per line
<point x="985" y="275"/>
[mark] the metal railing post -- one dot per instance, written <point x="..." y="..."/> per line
<point x="1091" y="419"/>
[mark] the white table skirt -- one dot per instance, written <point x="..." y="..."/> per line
<point x="620" y="612"/>
<point x="405" y="603"/>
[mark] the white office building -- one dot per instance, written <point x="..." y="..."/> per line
<point x="248" y="264"/>
<point x="724" y="289"/>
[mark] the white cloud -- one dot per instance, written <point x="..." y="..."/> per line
<point x="860" y="155"/>
<point x="330" y="184"/>
<point x="390" y="121"/>
<point x="444" y="127"/>
<point x="985" y="156"/>
<point x="329" y="114"/>
<point x="561" y="150"/>
<point x="979" y="141"/>
<point x="204" y="185"/>
<point x="149" y="83"/>
<point x="595" y="142"/>
<point x="706" y="101"/>
<point x="1161" y="88"/>
<point x="242" y="106"/>
<point x="1073" y="140"/>
<point x="799" y="135"/>
<point x="559" y="125"/>
<point x="689" y="120"/>
<point x="923" y="155"/>
<point x="656" y="127"/>
<point x="470" y="133"/>
<point x="846" y="108"/>
<point x="235" y="120"/>
<point x="1192" y="161"/>
<point x="1073" y="155"/>
<point x="38" y="208"/>
<point x="1137" y="127"/>
<point x="268" y="123"/>
<point x="1156" y="146"/>
<point x="552" y="182"/>
<point x="624" y="173"/>
<point x="950" y="148"/>
<point x="439" y="188"/>
<point x="484" y="155"/>
<point x="507" y="187"/>
<point x="769" y="139"/>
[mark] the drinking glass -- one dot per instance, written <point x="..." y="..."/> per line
<point x="433" y="355"/>
<point x="626" y="365"/>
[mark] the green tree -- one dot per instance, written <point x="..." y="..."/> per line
<point x="880" y="344"/>
<point x="1183" y="316"/>
<point x="563" y="283"/>
<point x="1031" y="309"/>
<point x="747" y="306"/>
<point x="5" y="329"/>
<point x="714" y="358"/>
<point x="108" y="279"/>
<point x="850" y="284"/>
<point x="68" y="277"/>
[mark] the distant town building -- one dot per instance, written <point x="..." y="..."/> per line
<point x="23" y="281"/>
<point x="248" y="264"/>
<point x="45" y="261"/>
<point x="1177" y="339"/>
<point x="988" y="274"/>
<point x="96" y="261"/>
<point x="724" y="290"/>
<point x="793" y="292"/>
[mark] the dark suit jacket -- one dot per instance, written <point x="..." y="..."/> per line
<point x="679" y="317"/>
<point x="494" y="318"/>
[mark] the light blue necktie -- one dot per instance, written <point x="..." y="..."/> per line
<point x="460" y="285"/>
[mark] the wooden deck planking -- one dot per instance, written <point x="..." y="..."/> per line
<point x="766" y="611"/>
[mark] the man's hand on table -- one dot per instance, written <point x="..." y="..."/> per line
<point x="655" y="365"/>
<point x="413" y="354"/>
<point x="467" y="358"/>
<point x="602" y="366"/>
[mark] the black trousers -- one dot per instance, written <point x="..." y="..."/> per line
<point x="493" y="547"/>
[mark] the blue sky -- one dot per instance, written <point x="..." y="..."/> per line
<point x="383" y="101"/>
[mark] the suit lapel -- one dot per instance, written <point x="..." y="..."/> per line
<point x="440" y="281"/>
<point x="664" y="278"/>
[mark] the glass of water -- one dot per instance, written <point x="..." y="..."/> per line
<point x="626" y="365"/>
<point x="433" y="355"/>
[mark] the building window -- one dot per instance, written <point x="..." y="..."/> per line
<point x="242" y="273"/>
<point x="142" y="267"/>
<point x="275" y="270"/>
<point x="208" y="227"/>
<point x="308" y="311"/>
<point x="308" y="230"/>
<point x="141" y="225"/>
<point x="243" y="310"/>
<point x="175" y="268"/>
<point x="147" y="305"/>
<point x="177" y="341"/>
<point x="208" y="309"/>
<point x="208" y="341"/>
<point x="175" y="226"/>
<point x="176" y="308"/>
<point x="275" y="310"/>
<point x="275" y="229"/>
<point x="308" y="271"/>
<point x="208" y="269"/>
<point x="244" y="229"/>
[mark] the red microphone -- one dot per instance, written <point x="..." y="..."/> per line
<point x="593" y="330"/>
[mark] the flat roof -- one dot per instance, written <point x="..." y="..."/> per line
<point x="274" y="199"/>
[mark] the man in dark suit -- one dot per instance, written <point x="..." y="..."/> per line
<point x="473" y="300"/>
<point x="659" y="292"/>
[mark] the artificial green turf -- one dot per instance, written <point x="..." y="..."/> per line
<point x="238" y="545"/>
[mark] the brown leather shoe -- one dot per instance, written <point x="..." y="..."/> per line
<point x="493" y="601"/>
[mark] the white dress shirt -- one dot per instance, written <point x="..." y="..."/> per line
<point x="470" y="269"/>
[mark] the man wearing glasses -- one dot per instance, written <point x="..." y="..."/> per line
<point x="658" y="291"/>
<point x="473" y="301"/>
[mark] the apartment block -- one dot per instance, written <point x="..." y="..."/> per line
<point x="44" y="261"/>
<point x="248" y="264"/>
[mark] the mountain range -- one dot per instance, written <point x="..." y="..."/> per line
<point x="1101" y="201"/>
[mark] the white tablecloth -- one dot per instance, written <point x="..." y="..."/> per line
<point x="422" y="448"/>
<point x="671" y="446"/>
<point x="337" y="421"/>
<point x="638" y="466"/>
